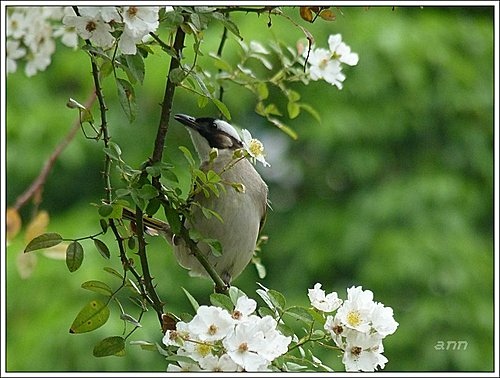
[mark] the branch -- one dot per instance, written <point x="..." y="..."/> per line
<point x="37" y="185"/>
<point x="219" y="54"/>
<point x="271" y="9"/>
<point x="166" y="106"/>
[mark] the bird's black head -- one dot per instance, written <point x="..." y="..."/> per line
<point x="216" y="132"/>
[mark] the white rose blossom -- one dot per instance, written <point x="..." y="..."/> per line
<point x="326" y="64"/>
<point x="254" y="147"/>
<point x="323" y="302"/>
<point x="222" y="341"/>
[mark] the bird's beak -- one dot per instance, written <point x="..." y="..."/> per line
<point x="188" y="121"/>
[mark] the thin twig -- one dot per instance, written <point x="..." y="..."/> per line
<point x="37" y="185"/>
<point x="219" y="54"/>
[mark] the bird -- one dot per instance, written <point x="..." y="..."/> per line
<point x="242" y="207"/>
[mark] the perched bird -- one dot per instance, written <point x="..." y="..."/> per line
<point x="242" y="211"/>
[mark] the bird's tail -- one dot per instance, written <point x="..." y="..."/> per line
<point x="152" y="225"/>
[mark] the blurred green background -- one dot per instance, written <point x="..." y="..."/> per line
<point x="392" y="191"/>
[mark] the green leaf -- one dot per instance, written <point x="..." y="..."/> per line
<point x="263" y="293"/>
<point x="131" y="243"/>
<point x="172" y="20"/>
<point x="104" y="224"/>
<point x="135" y="63"/>
<point x="188" y="155"/>
<point x="292" y="95"/>
<point x="130" y="319"/>
<point x="113" y="272"/>
<point x="215" y="247"/>
<point x="221" y="300"/>
<point x="235" y="293"/>
<point x="105" y="210"/>
<point x="287" y="130"/>
<point x="192" y="300"/>
<point x="222" y="107"/>
<point x="145" y="345"/>
<point x="177" y="75"/>
<point x="153" y="206"/>
<point x="92" y="316"/>
<point x="277" y="299"/>
<point x="109" y="346"/>
<point x="148" y="192"/>
<point x="308" y="108"/>
<point x="113" y="151"/>
<point x="173" y="219"/>
<point x="262" y="90"/>
<point x="272" y="109"/>
<point x="220" y="63"/>
<point x="300" y="313"/>
<point x="98" y="287"/>
<point x="43" y="241"/>
<point x="261" y="269"/>
<point x="102" y="248"/>
<point x="111" y="211"/>
<point x="126" y="95"/>
<point x="230" y="25"/>
<point x="293" y="109"/>
<point x="74" y="256"/>
<point x="266" y="311"/>
<point x="202" y="101"/>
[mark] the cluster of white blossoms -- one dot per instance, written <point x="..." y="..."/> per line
<point x="30" y="36"/>
<point x="326" y="64"/>
<point x="358" y="327"/>
<point x="98" y="23"/>
<point x="219" y="340"/>
<point x="31" y="31"/>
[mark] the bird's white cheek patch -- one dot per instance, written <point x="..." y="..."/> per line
<point x="223" y="141"/>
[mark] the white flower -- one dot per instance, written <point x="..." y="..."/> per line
<point x="176" y="337"/>
<point x="243" y="346"/>
<point x="39" y="60"/>
<point x="141" y="20"/>
<point x="254" y="147"/>
<point x="68" y="34"/>
<point x="93" y="28"/>
<point x="356" y="311"/>
<point x="363" y="352"/>
<point x="219" y="364"/>
<point x="325" y="303"/>
<point x="334" y="327"/>
<point x="322" y="66"/>
<point x="383" y="320"/>
<point x="255" y="343"/>
<point x="211" y="323"/>
<point x="244" y="307"/>
<point x="276" y="343"/>
<point x="13" y="52"/>
<point x="341" y="51"/>
<point x="17" y="23"/>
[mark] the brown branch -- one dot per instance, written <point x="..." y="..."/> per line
<point x="166" y="106"/>
<point x="37" y="185"/>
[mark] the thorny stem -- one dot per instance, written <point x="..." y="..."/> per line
<point x="166" y="107"/>
<point x="147" y="279"/>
